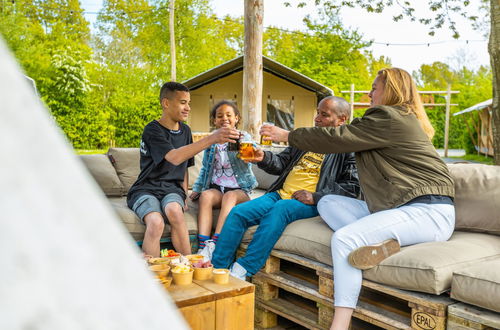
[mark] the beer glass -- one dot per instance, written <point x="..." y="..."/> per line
<point x="234" y="146"/>
<point x="266" y="142"/>
<point x="247" y="151"/>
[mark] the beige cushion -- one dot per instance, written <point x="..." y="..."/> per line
<point x="477" y="199"/>
<point x="127" y="164"/>
<point x="479" y="284"/>
<point x="428" y="267"/>
<point x="309" y="238"/>
<point x="194" y="171"/>
<point x="265" y="180"/>
<point x="134" y="225"/>
<point x="104" y="174"/>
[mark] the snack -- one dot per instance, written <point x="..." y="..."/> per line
<point x="202" y="264"/>
<point x="169" y="253"/>
<point x="181" y="269"/>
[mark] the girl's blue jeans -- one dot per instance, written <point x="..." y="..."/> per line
<point x="272" y="214"/>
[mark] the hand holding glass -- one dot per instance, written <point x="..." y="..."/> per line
<point x="266" y="142"/>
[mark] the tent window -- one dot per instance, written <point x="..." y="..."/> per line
<point x="281" y="112"/>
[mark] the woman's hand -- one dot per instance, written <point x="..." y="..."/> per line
<point x="273" y="133"/>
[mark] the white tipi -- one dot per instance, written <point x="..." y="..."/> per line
<point x="66" y="262"/>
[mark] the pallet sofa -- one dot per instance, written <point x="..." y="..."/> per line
<point x="453" y="284"/>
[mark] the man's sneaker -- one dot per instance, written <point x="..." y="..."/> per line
<point x="369" y="256"/>
<point x="238" y="271"/>
<point x="208" y="250"/>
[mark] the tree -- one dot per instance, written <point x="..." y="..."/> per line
<point x="443" y="12"/>
<point x="328" y="52"/>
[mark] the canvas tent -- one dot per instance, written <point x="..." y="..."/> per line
<point x="479" y="125"/>
<point x="289" y="98"/>
<point x="66" y="260"/>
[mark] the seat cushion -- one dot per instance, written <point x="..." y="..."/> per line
<point x="104" y="174"/>
<point x="477" y="197"/>
<point x="127" y="165"/>
<point x="428" y="267"/>
<point x="137" y="229"/>
<point x="478" y="284"/>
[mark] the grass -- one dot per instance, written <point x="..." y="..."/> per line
<point x="477" y="158"/>
<point x="90" y="151"/>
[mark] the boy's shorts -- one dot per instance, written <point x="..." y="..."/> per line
<point x="148" y="203"/>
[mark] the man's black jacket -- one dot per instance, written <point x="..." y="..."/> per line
<point x="338" y="172"/>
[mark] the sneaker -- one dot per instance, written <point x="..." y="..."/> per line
<point x="238" y="271"/>
<point x="369" y="256"/>
<point x="208" y="250"/>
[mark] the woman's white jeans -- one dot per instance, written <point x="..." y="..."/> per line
<point x="354" y="227"/>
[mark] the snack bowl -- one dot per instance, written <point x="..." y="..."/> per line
<point x="166" y="281"/>
<point x="158" y="261"/>
<point x="160" y="270"/>
<point x="203" y="273"/>
<point x="220" y="275"/>
<point x="182" y="275"/>
<point x="194" y="258"/>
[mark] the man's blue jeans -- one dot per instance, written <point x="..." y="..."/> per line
<point x="272" y="214"/>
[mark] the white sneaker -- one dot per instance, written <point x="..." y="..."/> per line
<point x="238" y="271"/>
<point x="208" y="250"/>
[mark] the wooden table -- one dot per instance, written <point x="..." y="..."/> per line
<point x="207" y="305"/>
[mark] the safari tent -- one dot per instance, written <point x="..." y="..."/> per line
<point x="481" y="125"/>
<point x="289" y="98"/>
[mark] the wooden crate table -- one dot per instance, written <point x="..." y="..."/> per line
<point x="207" y="305"/>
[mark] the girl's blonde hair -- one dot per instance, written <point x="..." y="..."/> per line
<point x="400" y="89"/>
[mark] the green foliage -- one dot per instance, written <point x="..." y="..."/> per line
<point x="474" y="87"/>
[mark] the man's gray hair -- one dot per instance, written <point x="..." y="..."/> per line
<point x="339" y="105"/>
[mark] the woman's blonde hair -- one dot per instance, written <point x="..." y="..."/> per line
<point x="400" y="89"/>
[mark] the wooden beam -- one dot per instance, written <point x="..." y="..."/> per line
<point x="252" y="67"/>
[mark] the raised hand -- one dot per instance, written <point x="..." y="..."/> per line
<point x="273" y="133"/>
<point x="225" y="134"/>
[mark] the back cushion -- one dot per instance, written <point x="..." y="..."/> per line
<point x="127" y="164"/>
<point x="104" y="174"/>
<point x="477" y="197"/>
<point x="194" y="171"/>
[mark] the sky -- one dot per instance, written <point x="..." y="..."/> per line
<point x="379" y="28"/>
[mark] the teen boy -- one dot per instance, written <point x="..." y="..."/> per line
<point x="167" y="150"/>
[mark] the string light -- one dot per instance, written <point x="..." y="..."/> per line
<point x="122" y="12"/>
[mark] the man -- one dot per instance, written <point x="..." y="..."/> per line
<point x="166" y="152"/>
<point x="304" y="177"/>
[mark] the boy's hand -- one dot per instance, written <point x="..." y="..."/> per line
<point x="226" y="134"/>
<point x="194" y="195"/>
<point x="304" y="196"/>
<point x="274" y="133"/>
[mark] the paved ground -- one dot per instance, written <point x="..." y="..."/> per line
<point x="453" y="153"/>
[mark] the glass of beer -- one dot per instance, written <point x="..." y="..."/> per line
<point x="247" y="151"/>
<point x="266" y="142"/>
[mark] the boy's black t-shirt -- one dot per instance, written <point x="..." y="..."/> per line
<point x="159" y="177"/>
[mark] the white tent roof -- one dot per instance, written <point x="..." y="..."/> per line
<point x="476" y="107"/>
<point x="66" y="260"/>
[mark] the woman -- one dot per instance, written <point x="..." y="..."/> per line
<point x="408" y="189"/>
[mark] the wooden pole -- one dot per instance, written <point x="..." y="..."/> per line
<point x="171" y="26"/>
<point x="447" y="120"/>
<point x="252" y="67"/>
<point x="352" y="102"/>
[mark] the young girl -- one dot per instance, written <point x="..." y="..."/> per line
<point x="408" y="189"/>
<point x="224" y="180"/>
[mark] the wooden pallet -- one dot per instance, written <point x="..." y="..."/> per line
<point x="463" y="316"/>
<point x="301" y="290"/>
